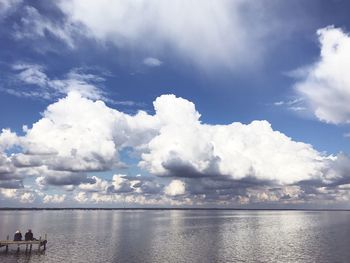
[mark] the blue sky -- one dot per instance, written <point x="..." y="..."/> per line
<point x="232" y="61"/>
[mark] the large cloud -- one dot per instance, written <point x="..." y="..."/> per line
<point x="193" y="161"/>
<point x="208" y="34"/>
<point x="187" y="148"/>
<point x="77" y="134"/>
<point x="218" y="26"/>
<point x="326" y="84"/>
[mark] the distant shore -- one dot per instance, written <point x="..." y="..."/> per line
<point x="163" y="208"/>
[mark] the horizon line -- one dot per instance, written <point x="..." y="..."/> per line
<point x="170" y="208"/>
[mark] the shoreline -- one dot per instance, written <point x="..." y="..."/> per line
<point x="164" y="208"/>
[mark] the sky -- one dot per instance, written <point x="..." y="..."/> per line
<point x="232" y="103"/>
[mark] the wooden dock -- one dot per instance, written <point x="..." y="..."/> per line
<point x="28" y="244"/>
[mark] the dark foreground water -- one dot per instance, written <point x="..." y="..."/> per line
<point x="182" y="236"/>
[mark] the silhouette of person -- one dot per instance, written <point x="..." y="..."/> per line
<point x="17" y="236"/>
<point x="29" y="236"/>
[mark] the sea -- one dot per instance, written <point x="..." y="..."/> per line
<point x="180" y="235"/>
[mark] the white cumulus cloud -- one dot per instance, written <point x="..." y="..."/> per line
<point x="54" y="198"/>
<point x="185" y="147"/>
<point x="176" y="187"/>
<point x="7" y="139"/>
<point x="77" y="136"/>
<point x="326" y="84"/>
<point x="21" y="195"/>
<point x="81" y="197"/>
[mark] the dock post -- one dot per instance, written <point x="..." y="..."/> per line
<point x="39" y="243"/>
<point x="7" y="246"/>
<point x="45" y="241"/>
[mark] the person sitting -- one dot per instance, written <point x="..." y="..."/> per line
<point x="17" y="236"/>
<point x="29" y="236"/>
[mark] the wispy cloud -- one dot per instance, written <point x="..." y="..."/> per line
<point x="224" y="34"/>
<point x="222" y="40"/>
<point x="8" y="6"/>
<point x="205" y="33"/>
<point x="33" y="25"/>
<point x="44" y="87"/>
<point x="346" y="135"/>
<point x="297" y="104"/>
<point x="32" y="81"/>
<point x="152" y="62"/>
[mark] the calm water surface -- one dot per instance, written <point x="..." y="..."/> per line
<point x="182" y="236"/>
